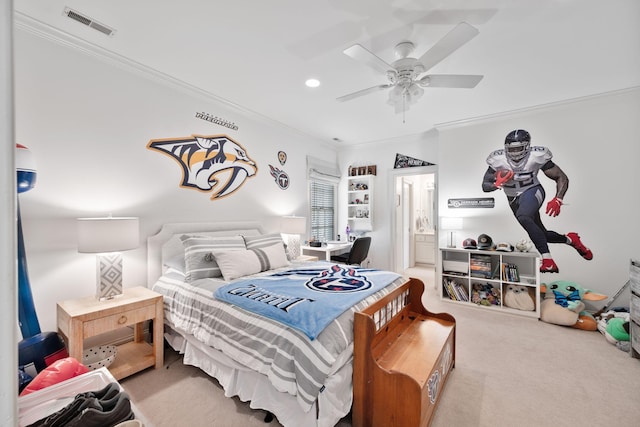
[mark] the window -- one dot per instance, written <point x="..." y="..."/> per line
<point x="322" y="202"/>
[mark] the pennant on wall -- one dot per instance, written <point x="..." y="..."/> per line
<point x="210" y="163"/>
<point x="403" y="161"/>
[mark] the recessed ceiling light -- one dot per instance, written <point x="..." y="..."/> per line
<point x="312" y="83"/>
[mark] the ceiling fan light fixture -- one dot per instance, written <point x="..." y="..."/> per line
<point x="403" y="75"/>
<point x="425" y="81"/>
<point x="415" y="92"/>
<point x="395" y="94"/>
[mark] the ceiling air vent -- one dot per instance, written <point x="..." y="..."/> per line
<point x="83" y="19"/>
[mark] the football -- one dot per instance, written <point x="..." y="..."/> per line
<point x="504" y="174"/>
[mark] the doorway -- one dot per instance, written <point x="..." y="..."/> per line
<point x="414" y="230"/>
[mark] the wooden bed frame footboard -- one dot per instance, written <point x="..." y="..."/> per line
<point x="402" y="358"/>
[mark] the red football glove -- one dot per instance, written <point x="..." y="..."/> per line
<point x="503" y="176"/>
<point x="553" y="207"/>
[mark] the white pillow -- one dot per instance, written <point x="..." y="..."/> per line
<point x="234" y="264"/>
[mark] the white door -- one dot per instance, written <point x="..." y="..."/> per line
<point x="407" y="241"/>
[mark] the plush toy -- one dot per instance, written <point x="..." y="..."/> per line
<point x="562" y="305"/>
<point x="614" y="325"/>
<point x="524" y="245"/>
<point x="517" y="296"/>
<point x="485" y="294"/>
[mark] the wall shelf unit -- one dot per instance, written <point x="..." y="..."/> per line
<point x="360" y="202"/>
<point x="483" y="278"/>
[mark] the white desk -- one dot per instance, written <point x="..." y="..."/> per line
<point x="326" y="251"/>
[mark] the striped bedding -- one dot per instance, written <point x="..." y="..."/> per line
<point x="293" y="363"/>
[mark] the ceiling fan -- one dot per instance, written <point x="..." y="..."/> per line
<point x="405" y="75"/>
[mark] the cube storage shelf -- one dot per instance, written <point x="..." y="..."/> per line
<point x="483" y="278"/>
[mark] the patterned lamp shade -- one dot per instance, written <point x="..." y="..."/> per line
<point x="107" y="237"/>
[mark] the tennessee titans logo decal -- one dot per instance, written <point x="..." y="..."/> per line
<point x="282" y="179"/>
<point x="338" y="279"/>
<point x="432" y="386"/>
<point x="214" y="163"/>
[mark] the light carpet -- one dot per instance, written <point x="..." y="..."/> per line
<point x="510" y="371"/>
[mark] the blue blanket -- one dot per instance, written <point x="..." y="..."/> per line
<point x="307" y="299"/>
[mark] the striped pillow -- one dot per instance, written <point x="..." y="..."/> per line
<point x="199" y="263"/>
<point x="264" y="240"/>
<point x="234" y="264"/>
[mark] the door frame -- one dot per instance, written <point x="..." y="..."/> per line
<point x="395" y="201"/>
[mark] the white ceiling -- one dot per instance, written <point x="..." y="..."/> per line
<point x="257" y="54"/>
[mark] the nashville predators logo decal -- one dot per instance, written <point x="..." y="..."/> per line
<point x="210" y="163"/>
<point x="338" y="279"/>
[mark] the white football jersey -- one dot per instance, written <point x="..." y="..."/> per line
<point x="525" y="176"/>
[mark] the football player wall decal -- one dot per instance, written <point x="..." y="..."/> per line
<point x="514" y="169"/>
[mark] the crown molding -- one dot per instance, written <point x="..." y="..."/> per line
<point x="45" y="31"/>
<point x="532" y="109"/>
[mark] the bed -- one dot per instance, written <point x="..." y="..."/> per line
<point x="302" y="379"/>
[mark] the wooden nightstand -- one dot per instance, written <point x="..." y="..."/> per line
<point x="86" y="317"/>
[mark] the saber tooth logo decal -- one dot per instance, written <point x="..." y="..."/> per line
<point x="214" y="163"/>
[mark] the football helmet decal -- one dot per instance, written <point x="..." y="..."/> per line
<point x="517" y="146"/>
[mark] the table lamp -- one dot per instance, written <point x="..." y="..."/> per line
<point x="292" y="227"/>
<point x="451" y="224"/>
<point x="108" y="237"/>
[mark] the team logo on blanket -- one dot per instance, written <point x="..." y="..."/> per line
<point x="213" y="163"/>
<point x="338" y="279"/>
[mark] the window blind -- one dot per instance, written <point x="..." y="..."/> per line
<point x="322" y="203"/>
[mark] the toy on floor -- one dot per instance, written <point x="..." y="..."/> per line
<point x="614" y="325"/>
<point x="562" y="305"/>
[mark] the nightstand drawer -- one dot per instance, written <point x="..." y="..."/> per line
<point x="118" y="320"/>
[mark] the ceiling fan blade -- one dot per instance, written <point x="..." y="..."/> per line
<point x="453" y="40"/>
<point x="359" y="53"/>
<point x="363" y="92"/>
<point x="467" y="81"/>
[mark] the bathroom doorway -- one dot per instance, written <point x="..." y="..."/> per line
<point x="414" y="230"/>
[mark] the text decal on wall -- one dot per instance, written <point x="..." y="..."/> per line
<point x="217" y="120"/>
<point x="210" y="163"/>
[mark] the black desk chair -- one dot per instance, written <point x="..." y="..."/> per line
<point x="357" y="254"/>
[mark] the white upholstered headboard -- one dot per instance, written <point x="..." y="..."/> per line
<point x="166" y="242"/>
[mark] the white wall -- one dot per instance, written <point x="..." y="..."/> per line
<point x="8" y="239"/>
<point x="88" y="120"/>
<point x="595" y="142"/>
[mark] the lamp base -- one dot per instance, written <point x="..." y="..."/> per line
<point x="452" y="243"/>
<point x="109" y="270"/>
<point x="293" y="245"/>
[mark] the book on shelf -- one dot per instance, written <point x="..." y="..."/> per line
<point x="510" y="272"/>
<point x="455" y="291"/>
